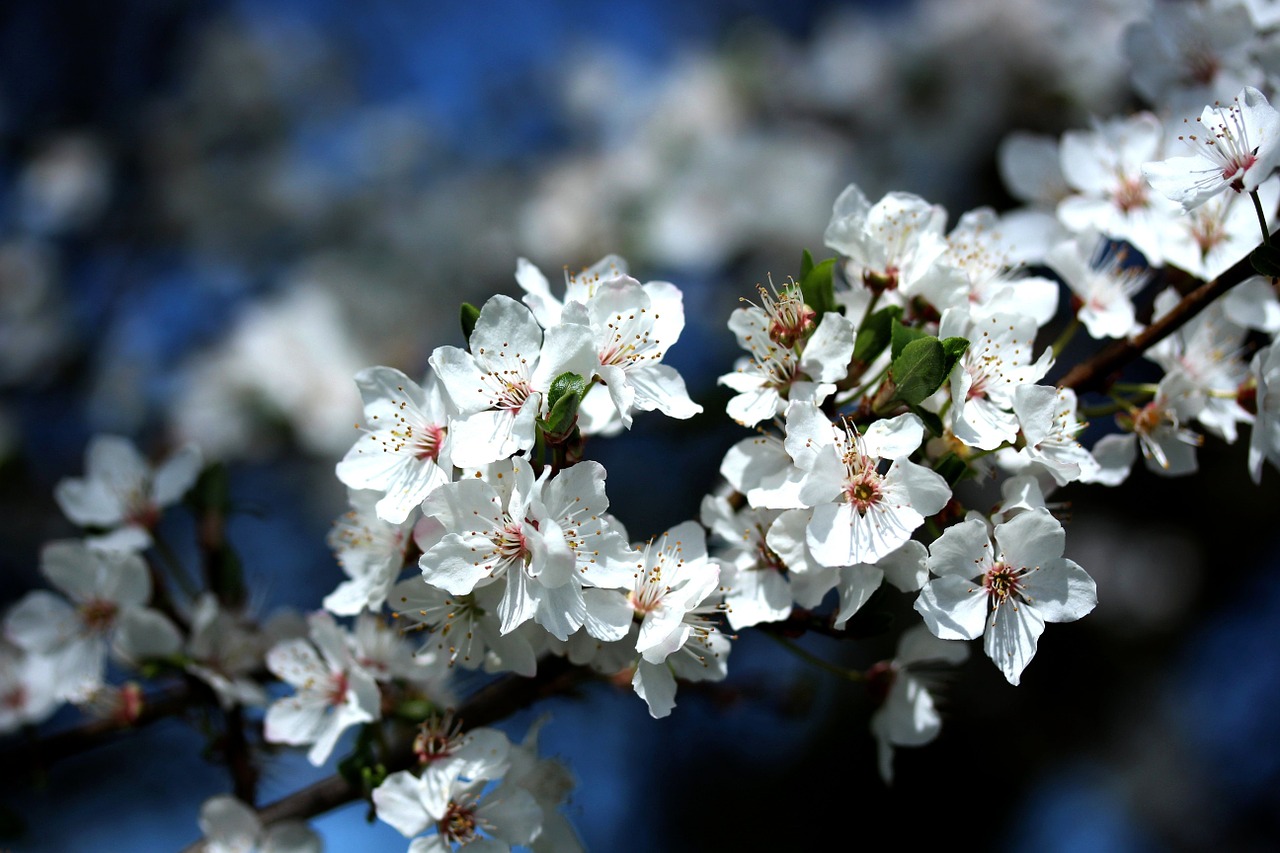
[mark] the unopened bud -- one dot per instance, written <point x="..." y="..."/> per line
<point x="1247" y="395"/>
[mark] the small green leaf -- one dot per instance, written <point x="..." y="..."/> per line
<point x="566" y="383"/>
<point x="564" y="396"/>
<point x="469" y="315"/>
<point x="918" y="370"/>
<point x="806" y="264"/>
<point x="952" y="349"/>
<point x="901" y="335"/>
<point x="876" y="333"/>
<point x="818" y="289"/>
<point x="952" y="468"/>
<point x="1266" y="261"/>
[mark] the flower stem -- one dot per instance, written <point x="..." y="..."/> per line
<point x="1262" y="218"/>
<point x="805" y="655"/>
<point x="1065" y="336"/>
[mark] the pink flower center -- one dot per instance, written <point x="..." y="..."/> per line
<point x="99" y="614"/>
<point x="1131" y="195"/>
<point x="1002" y="581"/>
<point x="512" y="544"/>
<point x="427" y="441"/>
<point x="459" y="823"/>
<point x="338" y="686"/>
<point x="864" y="490"/>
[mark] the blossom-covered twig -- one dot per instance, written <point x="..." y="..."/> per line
<point x="1096" y="373"/>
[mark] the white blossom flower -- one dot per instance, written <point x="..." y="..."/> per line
<point x="230" y="826"/>
<point x="122" y="493"/>
<point x="893" y="245"/>
<point x="674" y="601"/>
<point x="465" y="629"/>
<point x="406" y="450"/>
<point x="383" y="651"/>
<point x="860" y="514"/>
<point x="1204" y="365"/>
<point x="1104" y="167"/>
<point x="1185" y="53"/>
<point x="760" y="468"/>
<point x="633" y="325"/>
<point x="790" y="358"/>
<point x="1006" y="591"/>
<point x="1103" y="281"/>
<point x="107" y="613"/>
<point x="907" y="714"/>
<point x="28" y="688"/>
<point x="990" y="253"/>
<point x="1047" y="419"/>
<point x="754" y="578"/>
<point x="1237" y="146"/>
<point x="371" y="552"/>
<point x="579" y="287"/>
<point x="498" y="384"/>
<point x="224" y="650"/>
<point x="996" y="362"/>
<point x="465" y="812"/>
<point x="1213" y="237"/>
<point x="550" y="782"/>
<point x="903" y="568"/>
<point x="543" y="539"/>
<point x="331" y="691"/>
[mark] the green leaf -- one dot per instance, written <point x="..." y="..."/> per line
<point x="1266" y="261"/>
<point x="564" y="397"/>
<point x="931" y="420"/>
<point x="806" y="264"/>
<point x="918" y="370"/>
<point x="876" y="333"/>
<point x="952" y="468"/>
<point x="952" y="349"/>
<point x="817" y="287"/>
<point x="901" y="335"/>
<point x="469" y="315"/>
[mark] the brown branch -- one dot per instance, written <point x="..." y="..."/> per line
<point x="38" y="753"/>
<point x="1097" y="373"/>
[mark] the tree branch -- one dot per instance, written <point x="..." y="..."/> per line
<point x="1099" y="371"/>
<point x="38" y="753"/>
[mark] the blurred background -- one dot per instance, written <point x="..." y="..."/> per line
<point x="213" y="213"/>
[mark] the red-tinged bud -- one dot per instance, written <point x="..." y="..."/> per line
<point x="880" y="679"/>
<point x="1247" y="395"/>
<point x="880" y="281"/>
<point x="131" y="703"/>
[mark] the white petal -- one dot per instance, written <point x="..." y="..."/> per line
<point x="398" y="802"/>
<point x="1010" y="640"/>
<point x="963" y="550"/>
<point x="1030" y="539"/>
<point x="857" y="583"/>
<point x="954" y="608"/>
<point x="1061" y="591"/>
<point x="655" y="684"/>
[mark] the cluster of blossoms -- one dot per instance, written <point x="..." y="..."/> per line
<point x="890" y="390"/>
